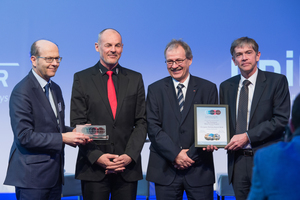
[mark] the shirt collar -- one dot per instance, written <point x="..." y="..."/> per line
<point x="252" y="78"/>
<point x="185" y="83"/>
<point x="41" y="81"/>
<point x="103" y="69"/>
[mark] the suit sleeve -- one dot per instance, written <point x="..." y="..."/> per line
<point x="137" y="138"/>
<point x="280" y="114"/>
<point x="257" y="186"/>
<point x="212" y="98"/>
<point x="27" y="124"/>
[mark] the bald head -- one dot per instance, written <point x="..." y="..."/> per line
<point x="41" y="45"/>
<point x="108" y="31"/>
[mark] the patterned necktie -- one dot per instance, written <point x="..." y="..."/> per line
<point x="241" y="122"/>
<point x="47" y="89"/>
<point x="180" y="96"/>
<point x="111" y="93"/>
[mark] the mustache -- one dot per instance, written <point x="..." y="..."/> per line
<point x="177" y="68"/>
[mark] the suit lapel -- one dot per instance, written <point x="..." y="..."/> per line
<point x="189" y="98"/>
<point x="123" y="86"/>
<point x="58" y="110"/>
<point x="97" y="78"/>
<point x="39" y="93"/>
<point x="232" y="92"/>
<point x="170" y="91"/>
<point x="259" y="89"/>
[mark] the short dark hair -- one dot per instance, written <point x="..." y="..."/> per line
<point x="241" y="42"/>
<point x="175" y="43"/>
<point x="296" y="112"/>
<point x="34" y="50"/>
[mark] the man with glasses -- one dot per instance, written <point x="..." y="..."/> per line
<point x="36" y="162"/>
<point x="175" y="164"/>
<point x="111" y="95"/>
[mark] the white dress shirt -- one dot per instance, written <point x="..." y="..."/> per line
<point x="184" y="89"/>
<point x="251" y="88"/>
<point x="43" y="83"/>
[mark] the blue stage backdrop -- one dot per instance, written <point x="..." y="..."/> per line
<point x="208" y="27"/>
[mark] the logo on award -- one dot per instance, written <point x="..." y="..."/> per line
<point x="95" y="132"/>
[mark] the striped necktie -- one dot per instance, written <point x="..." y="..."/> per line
<point x="180" y="96"/>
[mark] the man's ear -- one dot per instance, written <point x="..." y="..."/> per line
<point x="33" y="61"/>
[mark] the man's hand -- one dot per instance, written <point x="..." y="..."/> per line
<point x="210" y="148"/>
<point x="237" y="142"/>
<point x="124" y="159"/>
<point x="183" y="161"/>
<point x="113" y="163"/>
<point x="75" y="138"/>
<point x="106" y="161"/>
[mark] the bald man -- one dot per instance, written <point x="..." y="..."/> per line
<point x="36" y="106"/>
<point x="112" y="166"/>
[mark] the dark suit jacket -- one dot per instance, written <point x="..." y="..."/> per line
<point x="269" y="113"/>
<point x="37" y="154"/>
<point x="276" y="171"/>
<point x="127" y="133"/>
<point x="169" y="132"/>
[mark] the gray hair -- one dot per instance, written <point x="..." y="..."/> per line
<point x="175" y="43"/>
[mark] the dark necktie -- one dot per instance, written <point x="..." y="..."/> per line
<point x="241" y="122"/>
<point x="180" y="96"/>
<point x="47" y="90"/>
<point x="111" y="93"/>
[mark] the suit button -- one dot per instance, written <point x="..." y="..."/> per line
<point x="112" y="144"/>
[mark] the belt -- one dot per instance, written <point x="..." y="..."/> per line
<point x="245" y="152"/>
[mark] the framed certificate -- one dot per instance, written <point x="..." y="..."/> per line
<point x="211" y="125"/>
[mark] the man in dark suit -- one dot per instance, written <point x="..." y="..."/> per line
<point x="276" y="167"/>
<point x="262" y="122"/>
<point x="175" y="164"/>
<point x="36" y="161"/>
<point x="112" y="166"/>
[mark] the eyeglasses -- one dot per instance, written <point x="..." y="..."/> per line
<point x="50" y="59"/>
<point x="177" y="62"/>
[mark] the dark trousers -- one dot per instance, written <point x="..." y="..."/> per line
<point x="112" y="184"/>
<point x="40" y="194"/>
<point x="178" y="186"/>
<point x="242" y="176"/>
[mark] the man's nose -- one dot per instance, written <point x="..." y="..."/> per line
<point x="113" y="49"/>
<point x="244" y="57"/>
<point x="174" y="65"/>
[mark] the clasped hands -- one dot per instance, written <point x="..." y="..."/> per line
<point x="113" y="163"/>
<point x="183" y="161"/>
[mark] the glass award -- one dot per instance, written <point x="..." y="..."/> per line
<point x="95" y="132"/>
